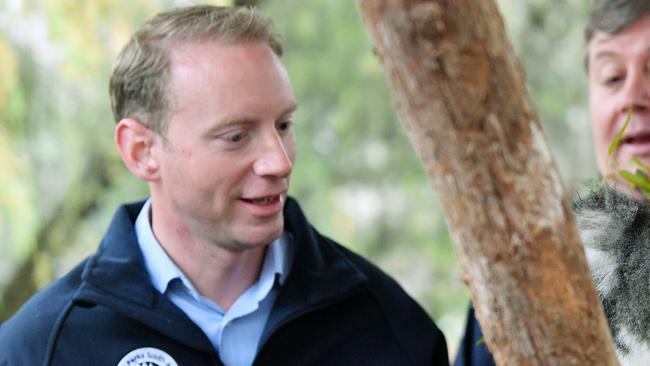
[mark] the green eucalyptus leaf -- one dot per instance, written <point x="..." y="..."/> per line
<point x="619" y="135"/>
<point x="645" y="168"/>
<point x="480" y="341"/>
<point x="635" y="180"/>
<point x="641" y="174"/>
<point x="609" y="176"/>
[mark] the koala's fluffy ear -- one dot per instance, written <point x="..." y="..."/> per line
<point x="135" y="141"/>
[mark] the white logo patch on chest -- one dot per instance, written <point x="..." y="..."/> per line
<point x="147" y="356"/>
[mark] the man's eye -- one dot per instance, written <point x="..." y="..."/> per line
<point x="236" y="137"/>
<point x="613" y="80"/>
<point x="285" y="126"/>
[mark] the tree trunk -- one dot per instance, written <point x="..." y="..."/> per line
<point x="459" y="90"/>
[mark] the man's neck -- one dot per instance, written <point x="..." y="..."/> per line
<point x="219" y="274"/>
<point x="216" y="272"/>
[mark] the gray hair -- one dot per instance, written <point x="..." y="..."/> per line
<point x="611" y="16"/>
<point x="141" y="71"/>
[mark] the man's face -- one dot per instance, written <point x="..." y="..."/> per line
<point x="619" y="79"/>
<point x="230" y="147"/>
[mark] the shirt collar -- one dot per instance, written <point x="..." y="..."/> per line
<point x="160" y="267"/>
<point x="277" y="255"/>
<point x="162" y="270"/>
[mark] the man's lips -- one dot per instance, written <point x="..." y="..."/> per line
<point x="635" y="145"/>
<point x="264" y="206"/>
<point x="264" y="200"/>
<point x="643" y="138"/>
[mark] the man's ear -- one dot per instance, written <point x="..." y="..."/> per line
<point x="135" y="142"/>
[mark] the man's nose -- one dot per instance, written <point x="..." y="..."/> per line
<point x="636" y="92"/>
<point x="274" y="158"/>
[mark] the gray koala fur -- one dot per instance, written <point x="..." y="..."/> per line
<point x="615" y="231"/>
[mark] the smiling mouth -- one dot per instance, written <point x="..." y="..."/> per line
<point x="268" y="200"/>
<point x="637" y="139"/>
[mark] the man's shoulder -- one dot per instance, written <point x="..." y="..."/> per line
<point x="387" y="290"/>
<point x="363" y="294"/>
<point x="29" y="332"/>
<point x="378" y="281"/>
<point x="410" y="323"/>
<point x="388" y="293"/>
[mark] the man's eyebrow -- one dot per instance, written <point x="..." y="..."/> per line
<point x="227" y="122"/>
<point x="606" y="54"/>
<point x="612" y="54"/>
<point x="290" y="109"/>
<point x="231" y="122"/>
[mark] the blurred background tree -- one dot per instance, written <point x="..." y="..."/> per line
<point x="356" y="176"/>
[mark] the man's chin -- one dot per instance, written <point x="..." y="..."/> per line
<point x="256" y="239"/>
<point x="632" y="162"/>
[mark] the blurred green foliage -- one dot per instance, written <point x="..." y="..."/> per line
<point x="357" y="175"/>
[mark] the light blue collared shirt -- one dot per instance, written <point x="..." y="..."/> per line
<point x="235" y="333"/>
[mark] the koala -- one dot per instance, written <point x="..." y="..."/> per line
<point x="615" y="232"/>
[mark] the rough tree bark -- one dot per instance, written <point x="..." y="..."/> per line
<point x="460" y="92"/>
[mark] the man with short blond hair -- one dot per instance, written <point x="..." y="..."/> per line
<point x="219" y="265"/>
